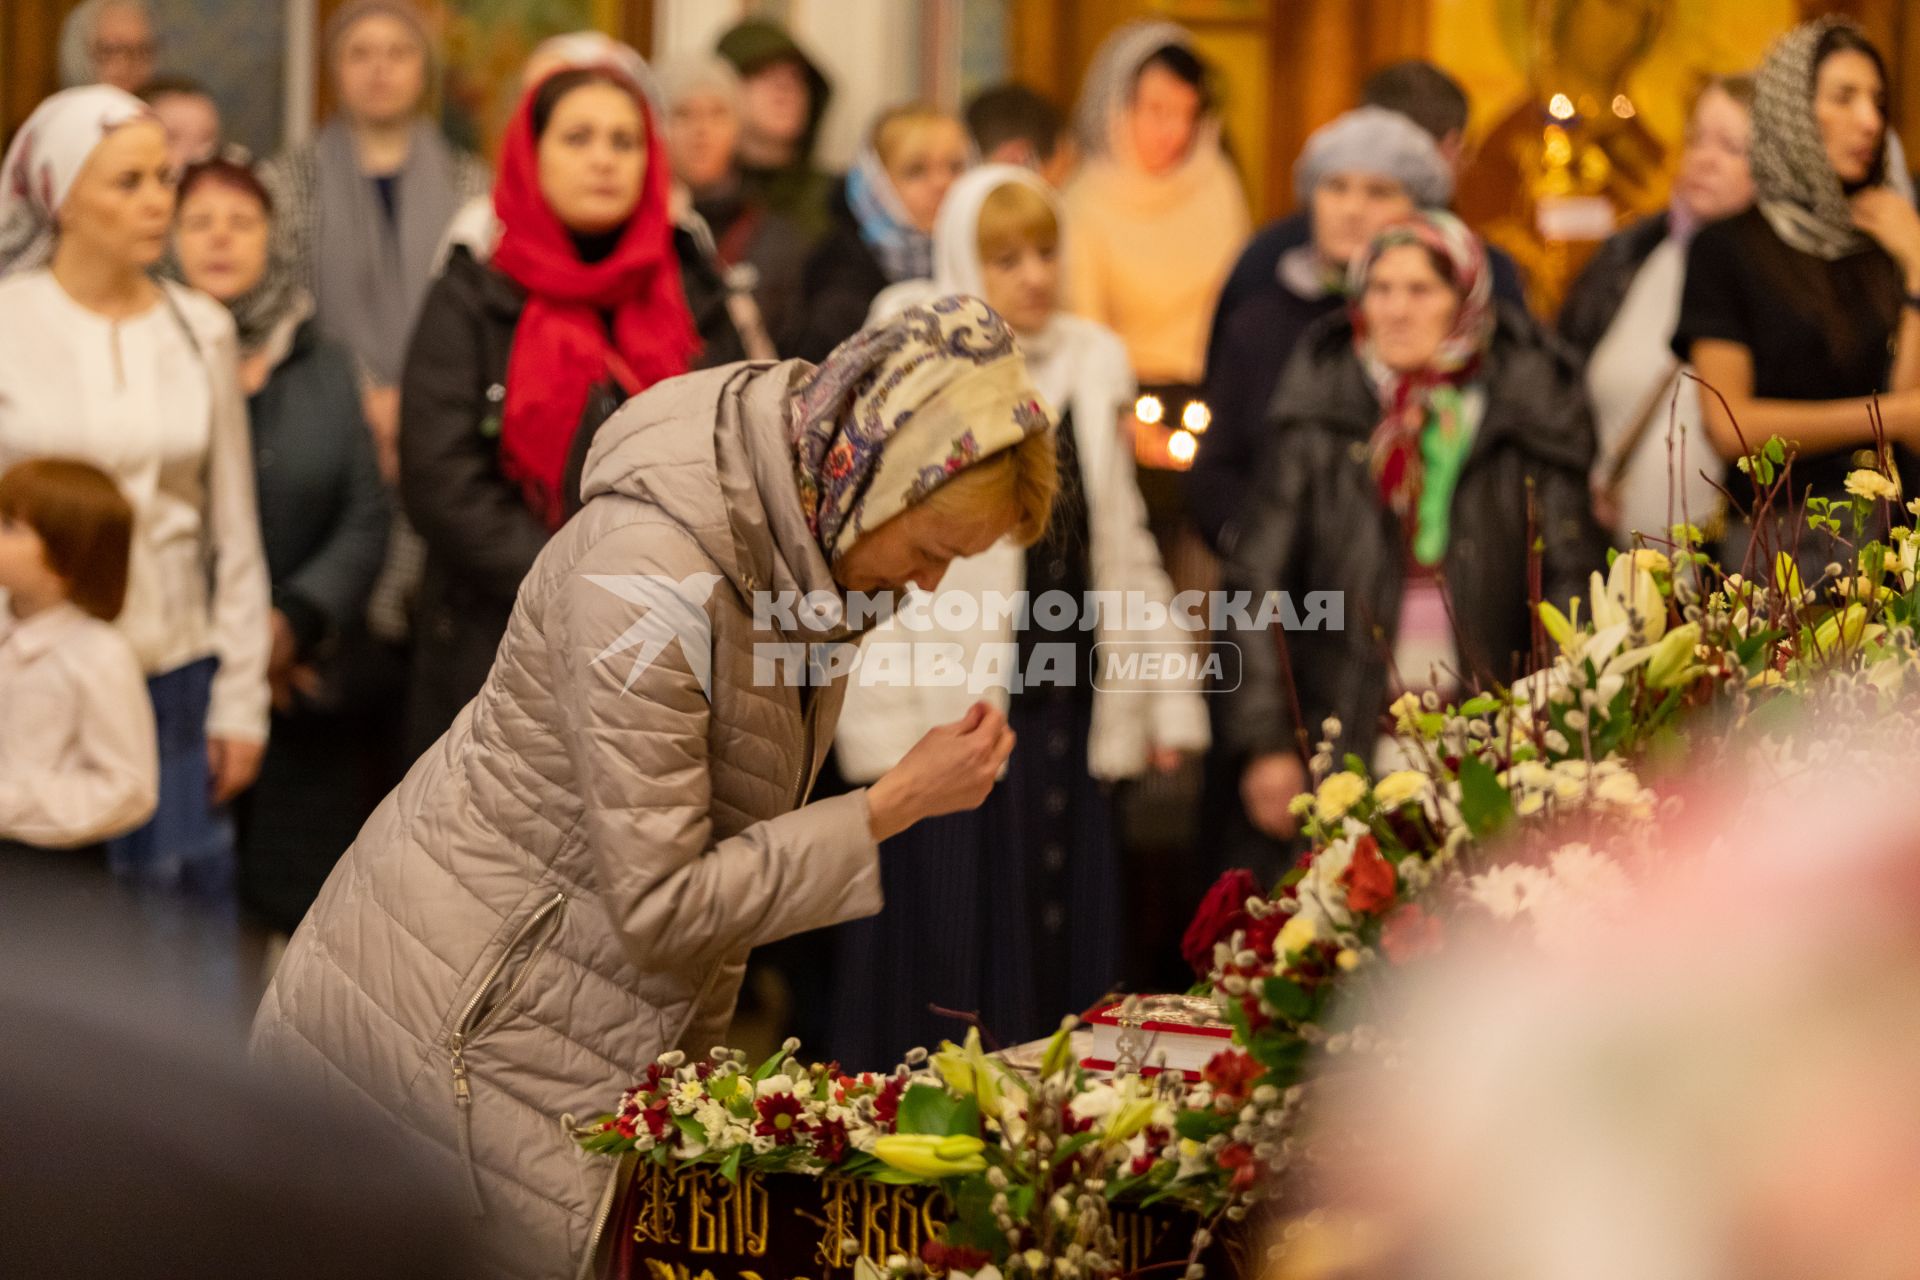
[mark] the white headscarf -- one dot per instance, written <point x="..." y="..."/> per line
<point x="46" y="156"/>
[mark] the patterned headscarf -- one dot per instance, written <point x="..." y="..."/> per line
<point x="46" y="156"/>
<point x="897" y="411"/>
<point x="904" y="251"/>
<point x="1408" y="399"/>
<point x="1798" y="192"/>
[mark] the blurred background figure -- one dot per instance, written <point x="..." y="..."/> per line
<point x="324" y="517"/>
<point x="883" y="218"/>
<point x="783" y="98"/>
<point x="1713" y="1080"/>
<point x="1017" y="909"/>
<point x="1799" y="310"/>
<point x="102" y="362"/>
<point x="190" y="116"/>
<point x="1358" y="174"/>
<point x="761" y="252"/>
<point x="1012" y="124"/>
<point x="218" y="1170"/>
<point x="361" y="209"/>
<point x="1429" y="434"/>
<point x="1156" y="210"/>
<point x="519" y="359"/>
<point x="108" y="42"/>
<point x="77" y="762"/>
<point x="1655" y="460"/>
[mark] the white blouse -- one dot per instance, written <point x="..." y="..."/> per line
<point x="78" y="760"/>
<point x="155" y="402"/>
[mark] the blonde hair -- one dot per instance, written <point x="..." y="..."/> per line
<point x="1013" y="216"/>
<point x="1025" y="477"/>
<point x="898" y="127"/>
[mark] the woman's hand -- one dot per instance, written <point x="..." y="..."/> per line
<point x="1268" y="787"/>
<point x="1165" y="760"/>
<point x="232" y="765"/>
<point x="381" y="405"/>
<point x="949" y="770"/>
<point x="1895" y="225"/>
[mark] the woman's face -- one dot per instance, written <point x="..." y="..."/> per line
<point x="915" y="548"/>
<point x="1165" y="113"/>
<point x="1715" y="181"/>
<point x="1350" y="209"/>
<point x="702" y="131"/>
<point x="928" y="160"/>
<point x="122" y="47"/>
<point x="221" y="239"/>
<point x="593" y="157"/>
<point x="777" y="100"/>
<point x="1849" y="104"/>
<point x="382" y="70"/>
<point x="121" y="204"/>
<point x="192" y="122"/>
<point x="1409" y="309"/>
<point x="1021" y="281"/>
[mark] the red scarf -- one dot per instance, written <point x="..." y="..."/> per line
<point x="560" y="347"/>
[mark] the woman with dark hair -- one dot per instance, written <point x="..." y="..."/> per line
<point x="1429" y="436"/>
<point x="1156" y="211"/>
<point x="517" y="361"/>
<point x="1619" y="317"/>
<point x="324" y="516"/>
<point x="1806" y="308"/>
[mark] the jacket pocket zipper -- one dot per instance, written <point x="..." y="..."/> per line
<point x="473" y="1022"/>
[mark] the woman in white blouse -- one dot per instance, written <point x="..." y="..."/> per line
<point x="100" y="361"/>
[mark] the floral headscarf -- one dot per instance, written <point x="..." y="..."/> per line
<point x="1796" y="188"/>
<point x="1408" y="400"/>
<point x="897" y="411"/>
<point x="46" y="156"/>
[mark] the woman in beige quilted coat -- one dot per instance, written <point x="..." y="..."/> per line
<point x="568" y="883"/>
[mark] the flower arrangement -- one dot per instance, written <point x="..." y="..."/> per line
<point x="1520" y="807"/>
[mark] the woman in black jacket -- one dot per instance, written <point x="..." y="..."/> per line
<point x="589" y="297"/>
<point x="1422" y="441"/>
<point x="324" y="517"/>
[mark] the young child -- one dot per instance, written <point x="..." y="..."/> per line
<point x="78" y="759"/>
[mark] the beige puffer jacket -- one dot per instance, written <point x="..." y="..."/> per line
<point x="568" y="883"/>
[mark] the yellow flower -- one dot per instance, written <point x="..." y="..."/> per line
<point x="926" y="1155"/>
<point x="1339" y="793"/>
<point x="1672" y="662"/>
<point x="1399" y="787"/>
<point x="1405" y="711"/>
<point x="1296" y="935"/>
<point x="968" y="1071"/>
<point x="1557" y="625"/>
<point x="1348" y="959"/>
<point x="1651" y="560"/>
<point x="1872" y="485"/>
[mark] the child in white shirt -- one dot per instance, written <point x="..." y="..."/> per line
<point x="78" y="757"/>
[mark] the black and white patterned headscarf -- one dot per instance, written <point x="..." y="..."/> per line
<point x="1799" y="194"/>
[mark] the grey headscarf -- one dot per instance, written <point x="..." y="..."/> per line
<point x="1376" y="140"/>
<point x="373" y="271"/>
<point x="76" y="38"/>
<point x="1799" y="194"/>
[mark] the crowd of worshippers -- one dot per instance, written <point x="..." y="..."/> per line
<point x="280" y="441"/>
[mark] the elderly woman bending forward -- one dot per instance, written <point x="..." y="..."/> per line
<point x="569" y="882"/>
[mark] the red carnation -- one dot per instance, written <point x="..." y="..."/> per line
<point x="830" y="1141"/>
<point x="886" y="1105"/>
<point x="1232" y="1072"/>
<point x="953" y="1258"/>
<point x="1370" y="878"/>
<point x="1409" y="934"/>
<point x="1221" y="912"/>
<point x="659" y="1124"/>
<point x="1239" y="1157"/>
<point x="780" y="1119"/>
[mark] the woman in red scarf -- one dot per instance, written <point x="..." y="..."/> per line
<point x="518" y="360"/>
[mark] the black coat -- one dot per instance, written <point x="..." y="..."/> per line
<point x="837" y="289"/>
<point x="481" y="536"/>
<point x="1255" y="326"/>
<point x="1315" y="522"/>
<point x="1596" y="295"/>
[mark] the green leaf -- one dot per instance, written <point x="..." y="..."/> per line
<point x="1072" y="1146"/>
<point x="1283" y="1054"/>
<point x="1201" y="1125"/>
<point x="730" y="1167"/>
<point x="928" y="1108"/>
<point x="1483" y="704"/>
<point x="1290" y="998"/>
<point x="1484" y="803"/>
<point x="692" y="1128"/>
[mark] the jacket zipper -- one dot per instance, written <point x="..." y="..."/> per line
<point x="803" y="775"/>
<point x="463" y="1034"/>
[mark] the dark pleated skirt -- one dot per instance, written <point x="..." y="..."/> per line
<point x="1012" y="911"/>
